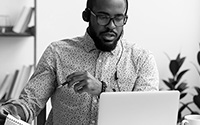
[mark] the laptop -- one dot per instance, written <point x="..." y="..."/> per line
<point x="138" y="108"/>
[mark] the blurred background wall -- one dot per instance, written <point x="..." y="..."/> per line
<point x="162" y="26"/>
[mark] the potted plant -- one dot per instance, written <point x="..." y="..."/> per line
<point x="175" y="82"/>
<point x="196" y="97"/>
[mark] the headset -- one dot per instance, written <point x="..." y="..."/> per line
<point x="86" y="12"/>
<point x="86" y="15"/>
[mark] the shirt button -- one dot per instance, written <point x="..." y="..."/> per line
<point x="100" y="61"/>
<point x="93" y="121"/>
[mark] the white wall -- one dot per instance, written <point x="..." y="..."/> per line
<point x="14" y="51"/>
<point x="162" y="26"/>
<point x="58" y="19"/>
<point x="167" y="26"/>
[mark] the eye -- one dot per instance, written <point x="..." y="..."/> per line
<point x="103" y="17"/>
<point x="119" y="18"/>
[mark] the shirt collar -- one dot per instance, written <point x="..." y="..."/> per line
<point x="89" y="44"/>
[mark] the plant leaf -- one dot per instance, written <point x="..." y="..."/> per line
<point x="168" y="85"/>
<point x="174" y="67"/>
<point x="182" y="95"/>
<point x="194" y="112"/>
<point x="180" y="112"/>
<point x="198" y="57"/>
<point x="178" y="57"/>
<point x="179" y="119"/>
<point x="182" y="87"/>
<point x="183" y="107"/>
<point x="197" y="89"/>
<point x="167" y="55"/>
<point x="172" y="82"/>
<point x="181" y="61"/>
<point x="181" y="74"/>
<point x="196" y="100"/>
<point x="196" y="68"/>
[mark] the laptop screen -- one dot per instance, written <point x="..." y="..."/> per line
<point x="138" y="108"/>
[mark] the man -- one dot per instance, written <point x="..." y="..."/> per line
<point x="74" y="72"/>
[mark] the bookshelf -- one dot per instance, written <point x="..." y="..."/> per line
<point x="31" y="36"/>
<point x="9" y="35"/>
<point x="12" y="34"/>
<point x="30" y="32"/>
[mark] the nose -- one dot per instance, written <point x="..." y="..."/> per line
<point x="111" y="24"/>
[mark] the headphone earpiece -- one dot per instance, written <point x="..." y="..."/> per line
<point x="86" y="15"/>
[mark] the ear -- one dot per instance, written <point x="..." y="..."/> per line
<point x="86" y="15"/>
<point x="126" y="20"/>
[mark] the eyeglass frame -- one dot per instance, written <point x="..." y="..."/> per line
<point x="125" y="17"/>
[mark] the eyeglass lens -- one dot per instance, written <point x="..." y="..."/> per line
<point x="105" y="20"/>
<point x="118" y="21"/>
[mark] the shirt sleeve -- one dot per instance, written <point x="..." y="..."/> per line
<point x="40" y="86"/>
<point x="148" y="76"/>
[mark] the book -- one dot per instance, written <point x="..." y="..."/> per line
<point x="16" y="83"/>
<point x="23" y="81"/>
<point x="2" y="87"/>
<point x="23" y="20"/>
<point x="11" y="120"/>
<point x="11" y="86"/>
<point x="7" y="84"/>
<point x="32" y="71"/>
<point x="2" y="81"/>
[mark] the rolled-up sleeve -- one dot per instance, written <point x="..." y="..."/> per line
<point x="40" y="86"/>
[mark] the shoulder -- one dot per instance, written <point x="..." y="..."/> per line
<point x="139" y="56"/>
<point x="135" y="49"/>
<point x="68" y="43"/>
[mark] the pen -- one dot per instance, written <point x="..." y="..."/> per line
<point x="61" y="85"/>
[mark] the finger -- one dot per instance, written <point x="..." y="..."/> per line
<point x="75" y="78"/>
<point x="78" y="86"/>
<point x="82" y="90"/>
<point x="69" y="77"/>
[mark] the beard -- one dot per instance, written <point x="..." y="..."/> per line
<point x="101" y="43"/>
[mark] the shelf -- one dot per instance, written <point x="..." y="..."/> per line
<point x="13" y="34"/>
<point x="29" y="32"/>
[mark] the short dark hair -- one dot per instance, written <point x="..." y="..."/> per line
<point x="91" y="2"/>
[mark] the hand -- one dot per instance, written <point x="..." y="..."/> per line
<point x="7" y="109"/>
<point x="84" y="82"/>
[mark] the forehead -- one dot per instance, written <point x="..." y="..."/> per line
<point x="110" y="6"/>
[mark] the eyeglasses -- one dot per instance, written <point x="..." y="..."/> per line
<point x="103" y="20"/>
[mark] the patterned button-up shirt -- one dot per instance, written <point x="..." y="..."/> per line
<point x="136" y="71"/>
